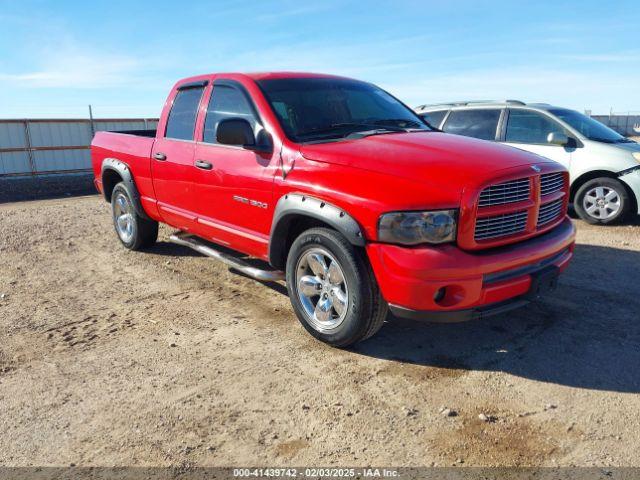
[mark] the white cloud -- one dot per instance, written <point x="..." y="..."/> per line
<point x="606" y="57"/>
<point x="596" y="90"/>
<point x="75" y="68"/>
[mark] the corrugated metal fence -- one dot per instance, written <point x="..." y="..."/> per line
<point x="627" y="125"/>
<point x="36" y="147"/>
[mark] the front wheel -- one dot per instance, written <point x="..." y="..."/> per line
<point x="134" y="231"/>
<point x="332" y="288"/>
<point x="602" y="201"/>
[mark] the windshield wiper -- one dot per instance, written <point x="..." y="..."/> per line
<point x="396" y="122"/>
<point x="349" y="125"/>
<point x="368" y="133"/>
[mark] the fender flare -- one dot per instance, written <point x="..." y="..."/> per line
<point x="123" y="170"/>
<point x="294" y="205"/>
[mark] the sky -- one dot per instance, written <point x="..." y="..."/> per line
<point x="122" y="57"/>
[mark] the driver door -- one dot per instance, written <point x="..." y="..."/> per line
<point x="234" y="185"/>
<point x="528" y="130"/>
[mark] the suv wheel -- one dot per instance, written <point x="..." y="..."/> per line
<point x="332" y="288"/>
<point x="602" y="201"/>
<point x="134" y="231"/>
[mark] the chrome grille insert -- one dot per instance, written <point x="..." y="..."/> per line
<point x="508" y="192"/>
<point x="549" y="212"/>
<point x="500" y="225"/>
<point x="551" y="183"/>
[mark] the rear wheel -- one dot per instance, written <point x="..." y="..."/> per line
<point x="134" y="231"/>
<point x="332" y="288"/>
<point x="602" y="201"/>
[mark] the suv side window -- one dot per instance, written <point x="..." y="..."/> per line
<point x="474" y="122"/>
<point x="526" y="126"/>
<point x="226" y="102"/>
<point x="182" y="117"/>
<point x="434" y="118"/>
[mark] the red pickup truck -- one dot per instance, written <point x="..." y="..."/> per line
<point x="347" y="194"/>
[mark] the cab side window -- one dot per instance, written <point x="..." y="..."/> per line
<point x="476" y="122"/>
<point x="226" y="102"/>
<point x="182" y="117"/>
<point x="434" y="118"/>
<point x="524" y="126"/>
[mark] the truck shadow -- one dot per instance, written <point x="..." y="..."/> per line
<point x="586" y="334"/>
<point x="172" y="250"/>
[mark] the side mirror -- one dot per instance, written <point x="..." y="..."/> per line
<point x="238" y="131"/>
<point x="235" y="131"/>
<point x="557" y="138"/>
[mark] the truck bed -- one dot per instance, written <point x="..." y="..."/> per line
<point x="133" y="147"/>
<point x="150" y="132"/>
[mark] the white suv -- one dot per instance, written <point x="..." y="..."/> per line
<point x="604" y="166"/>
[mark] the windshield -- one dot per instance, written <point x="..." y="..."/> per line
<point x="315" y="109"/>
<point x="590" y="128"/>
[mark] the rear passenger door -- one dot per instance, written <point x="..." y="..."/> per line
<point x="528" y="130"/>
<point x="479" y="123"/>
<point x="172" y="158"/>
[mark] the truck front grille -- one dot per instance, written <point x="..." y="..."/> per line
<point x="549" y="212"/>
<point x="500" y="225"/>
<point x="507" y="192"/>
<point x="551" y="183"/>
<point x="503" y="210"/>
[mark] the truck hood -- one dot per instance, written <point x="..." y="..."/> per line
<point x="449" y="161"/>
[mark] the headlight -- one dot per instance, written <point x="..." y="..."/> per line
<point x="411" y="228"/>
<point x="636" y="155"/>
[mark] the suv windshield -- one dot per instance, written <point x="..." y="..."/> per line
<point x="590" y="128"/>
<point x="314" y="109"/>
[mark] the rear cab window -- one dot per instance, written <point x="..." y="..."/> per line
<point x="181" y="122"/>
<point x="474" y="122"/>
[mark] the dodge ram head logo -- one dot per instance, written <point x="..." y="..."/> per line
<point x="536" y="168"/>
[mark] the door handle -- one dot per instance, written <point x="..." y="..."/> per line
<point x="161" y="157"/>
<point x="204" y="165"/>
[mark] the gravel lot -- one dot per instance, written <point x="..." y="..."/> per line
<point x="110" y="357"/>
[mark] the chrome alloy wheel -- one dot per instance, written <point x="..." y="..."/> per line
<point x="322" y="289"/>
<point x="602" y="203"/>
<point x="123" y="215"/>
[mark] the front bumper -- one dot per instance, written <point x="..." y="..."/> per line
<point x="476" y="284"/>
<point x="632" y="179"/>
<point x="457" y="316"/>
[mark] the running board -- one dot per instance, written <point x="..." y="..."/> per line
<point x="188" y="240"/>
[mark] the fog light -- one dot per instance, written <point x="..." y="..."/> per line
<point x="439" y="295"/>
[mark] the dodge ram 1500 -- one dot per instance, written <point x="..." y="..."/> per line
<point x="351" y="198"/>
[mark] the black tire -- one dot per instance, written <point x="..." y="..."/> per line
<point x="611" y="210"/>
<point x="366" y="309"/>
<point x="143" y="232"/>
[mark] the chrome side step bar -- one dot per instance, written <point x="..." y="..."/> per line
<point x="188" y="240"/>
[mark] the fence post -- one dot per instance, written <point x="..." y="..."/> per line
<point x="27" y="140"/>
<point x="627" y="130"/>
<point x="93" y="130"/>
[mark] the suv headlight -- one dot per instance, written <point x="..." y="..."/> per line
<point x="412" y="228"/>
<point x="636" y="155"/>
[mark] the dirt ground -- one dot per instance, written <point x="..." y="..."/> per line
<point x="110" y="357"/>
